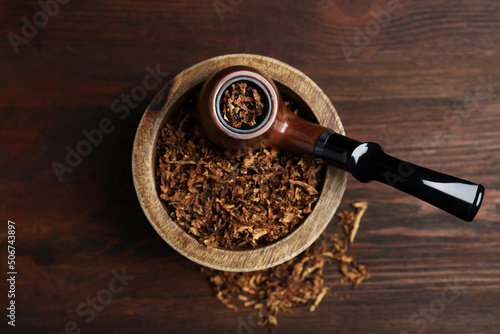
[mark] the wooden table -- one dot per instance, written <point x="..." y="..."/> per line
<point x="420" y="77"/>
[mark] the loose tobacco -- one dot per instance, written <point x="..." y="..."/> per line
<point x="240" y="199"/>
<point x="296" y="283"/>
<point x="241" y="105"/>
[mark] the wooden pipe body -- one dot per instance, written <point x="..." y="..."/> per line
<point x="281" y="128"/>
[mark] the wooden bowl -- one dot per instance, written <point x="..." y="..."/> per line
<point x="293" y="85"/>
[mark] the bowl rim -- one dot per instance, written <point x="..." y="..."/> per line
<point x="144" y="167"/>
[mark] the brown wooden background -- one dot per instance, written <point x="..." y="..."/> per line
<point x="398" y="88"/>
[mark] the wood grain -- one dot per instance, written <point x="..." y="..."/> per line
<point x="399" y="90"/>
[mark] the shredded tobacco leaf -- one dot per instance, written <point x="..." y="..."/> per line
<point x="351" y="219"/>
<point x="296" y="283"/>
<point x="242" y="104"/>
<point x="240" y="199"/>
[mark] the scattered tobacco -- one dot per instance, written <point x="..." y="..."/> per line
<point x="298" y="282"/>
<point x="352" y="270"/>
<point x="241" y="105"/>
<point x="240" y="199"/>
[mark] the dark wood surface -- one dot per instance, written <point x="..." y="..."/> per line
<point x="399" y="89"/>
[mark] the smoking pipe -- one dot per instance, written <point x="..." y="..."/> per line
<point x="279" y="127"/>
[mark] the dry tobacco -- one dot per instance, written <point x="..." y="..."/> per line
<point x="298" y="282"/>
<point x="242" y="104"/>
<point x="238" y="199"/>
